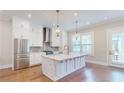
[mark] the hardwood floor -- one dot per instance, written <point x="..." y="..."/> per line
<point x="90" y="73"/>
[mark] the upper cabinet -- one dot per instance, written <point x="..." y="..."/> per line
<point x="36" y="35"/>
<point x="21" y="28"/>
<point x="56" y="41"/>
<point x="64" y="38"/>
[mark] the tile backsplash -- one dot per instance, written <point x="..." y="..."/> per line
<point x="36" y="49"/>
<point x="40" y="49"/>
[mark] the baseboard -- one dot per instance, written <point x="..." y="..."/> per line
<point x="35" y="65"/>
<point x="97" y="62"/>
<point x="119" y="66"/>
<point x="6" y="66"/>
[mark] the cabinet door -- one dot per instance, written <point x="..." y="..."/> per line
<point x="36" y="37"/>
<point x="77" y="62"/>
<point x="49" y="67"/>
<point x="68" y="65"/>
<point x="25" y="30"/>
<point x="35" y="58"/>
<point x="60" y="69"/>
<point x="64" y="38"/>
<point x="38" y="58"/>
<point x="82" y="62"/>
<point x="72" y="65"/>
<point x="21" y="28"/>
<point x="32" y="59"/>
<point x="55" y="40"/>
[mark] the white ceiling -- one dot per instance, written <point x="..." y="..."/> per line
<point x="67" y="18"/>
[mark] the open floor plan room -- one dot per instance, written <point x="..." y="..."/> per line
<point x="62" y="46"/>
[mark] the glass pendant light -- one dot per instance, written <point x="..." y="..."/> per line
<point x="76" y="23"/>
<point x="57" y="27"/>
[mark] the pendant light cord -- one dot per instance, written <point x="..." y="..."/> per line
<point x="57" y="11"/>
<point x="76" y="22"/>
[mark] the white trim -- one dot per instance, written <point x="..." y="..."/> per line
<point x="114" y="65"/>
<point x="92" y="39"/>
<point x="109" y="36"/>
<point x="6" y="66"/>
<point x="97" y="62"/>
<point x="103" y="63"/>
<point x="107" y="39"/>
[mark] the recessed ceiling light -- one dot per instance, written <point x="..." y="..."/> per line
<point x="106" y="18"/>
<point x="29" y="15"/>
<point x="75" y="14"/>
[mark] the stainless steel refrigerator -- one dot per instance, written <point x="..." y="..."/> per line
<point x="21" y="54"/>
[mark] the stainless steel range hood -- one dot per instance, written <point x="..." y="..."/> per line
<point x="46" y="35"/>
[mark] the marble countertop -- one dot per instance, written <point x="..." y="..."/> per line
<point x="61" y="57"/>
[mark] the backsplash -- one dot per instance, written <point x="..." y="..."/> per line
<point x="36" y="49"/>
<point x="46" y="47"/>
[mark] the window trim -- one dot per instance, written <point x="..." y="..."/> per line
<point x="75" y="44"/>
<point x="80" y="36"/>
<point x="92" y="38"/>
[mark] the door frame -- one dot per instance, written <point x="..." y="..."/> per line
<point x="109" y="36"/>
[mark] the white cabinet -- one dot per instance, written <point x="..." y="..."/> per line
<point x="61" y="69"/>
<point x="56" y="41"/>
<point x="35" y="58"/>
<point x="60" y="41"/>
<point x="24" y="29"/>
<point x="56" y="70"/>
<point x="64" y="38"/>
<point x="36" y="36"/>
<point x="21" y="28"/>
<point x="48" y="67"/>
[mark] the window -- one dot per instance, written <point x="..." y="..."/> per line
<point x="75" y="44"/>
<point x="84" y="43"/>
<point x="118" y="47"/>
<point x="87" y="43"/>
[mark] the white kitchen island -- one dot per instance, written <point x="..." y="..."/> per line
<point x="58" y="66"/>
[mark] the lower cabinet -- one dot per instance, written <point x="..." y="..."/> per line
<point x="68" y="66"/>
<point x="49" y="68"/>
<point x="56" y="70"/>
<point x="35" y="58"/>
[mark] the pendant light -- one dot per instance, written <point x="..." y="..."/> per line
<point x="76" y="26"/>
<point x="57" y="26"/>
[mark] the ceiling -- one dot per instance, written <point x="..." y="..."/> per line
<point x="67" y="18"/>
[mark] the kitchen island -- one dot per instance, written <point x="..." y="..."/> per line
<point x="58" y="66"/>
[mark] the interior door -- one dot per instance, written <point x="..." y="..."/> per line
<point x="116" y="47"/>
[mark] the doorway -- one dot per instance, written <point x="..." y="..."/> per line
<point x="116" y="47"/>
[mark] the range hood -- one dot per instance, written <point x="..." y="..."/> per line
<point x="46" y="35"/>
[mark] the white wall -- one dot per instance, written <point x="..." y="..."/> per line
<point x="5" y="43"/>
<point x="100" y="40"/>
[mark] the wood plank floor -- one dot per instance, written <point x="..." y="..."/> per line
<point x="90" y="73"/>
